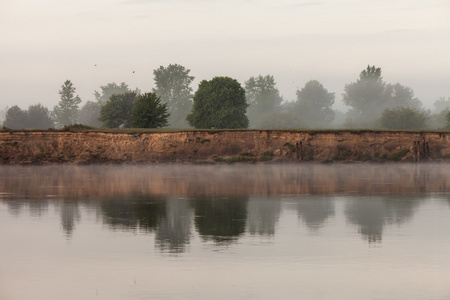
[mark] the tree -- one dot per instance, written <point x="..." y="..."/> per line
<point x="89" y="114"/>
<point x="15" y="118"/>
<point x="447" y="120"/>
<point x="219" y="103"/>
<point x="66" y="112"/>
<point x="262" y="97"/>
<point x="38" y="117"/>
<point x="403" y="118"/>
<point x="111" y="89"/>
<point x="366" y="96"/>
<point x="117" y="110"/>
<point x="3" y="114"/>
<point x="173" y="87"/>
<point x="399" y="95"/>
<point x="442" y="104"/>
<point x="148" y="112"/>
<point x="314" y="104"/>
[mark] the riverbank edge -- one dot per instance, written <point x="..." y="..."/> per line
<point x="221" y="146"/>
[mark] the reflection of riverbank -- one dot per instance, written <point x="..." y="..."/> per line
<point x="75" y="182"/>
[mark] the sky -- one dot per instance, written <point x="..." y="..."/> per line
<point x="95" y="42"/>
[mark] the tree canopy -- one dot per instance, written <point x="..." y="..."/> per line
<point x="366" y="96"/>
<point x="89" y="114"/>
<point x="111" y="89"/>
<point x="148" y="112"/>
<point x="369" y="96"/>
<point x="314" y="104"/>
<point x="116" y="111"/>
<point x="403" y="118"/>
<point x="173" y="87"/>
<point x="15" y="118"/>
<point x="36" y="117"/>
<point x="262" y="97"/>
<point x="66" y="112"/>
<point x="219" y="103"/>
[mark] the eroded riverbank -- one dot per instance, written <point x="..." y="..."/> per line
<point x="82" y="147"/>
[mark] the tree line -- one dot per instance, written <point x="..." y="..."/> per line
<point x="223" y="102"/>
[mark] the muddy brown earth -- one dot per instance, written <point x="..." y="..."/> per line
<point x="220" y="146"/>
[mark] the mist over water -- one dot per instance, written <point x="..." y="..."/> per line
<point x="344" y="231"/>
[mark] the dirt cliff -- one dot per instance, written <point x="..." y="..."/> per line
<point x="22" y="147"/>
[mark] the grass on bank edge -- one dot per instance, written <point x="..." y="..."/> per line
<point x="85" y="128"/>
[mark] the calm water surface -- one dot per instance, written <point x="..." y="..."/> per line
<point x="225" y="232"/>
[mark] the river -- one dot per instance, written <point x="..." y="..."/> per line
<point x="264" y="231"/>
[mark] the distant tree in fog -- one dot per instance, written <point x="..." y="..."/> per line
<point x="366" y="96"/>
<point x="447" y="120"/>
<point x="369" y="96"/>
<point x="219" y="103"/>
<point x="149" y="112"/>
<point x="3" y="114"/>
<point x="262" y="97"/>
<point x="111" y="89"/>
<point x="442" y="104"/>
<point x="314" y="104"/>
<point x="38" y="117"/>
<point x="117" y="110"/>
<point x="173" y="87"/>
<point x="399" y="95"/>
<point x="66" y="112"/>
<point x="16" y="118"/>
<point x="89" y="114"/>
<point x="403" y="118"/>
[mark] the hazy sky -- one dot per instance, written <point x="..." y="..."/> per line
<point x="94" y="42"/>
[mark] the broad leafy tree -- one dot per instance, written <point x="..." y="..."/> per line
<point x="219" y="103"/>
<point x="106" y="91"/>
<point x="89" y="114"/>
<point x="148" y="112"/>
<point x="314" y="104"/>
<point x="447" y="120"/>
<point x="173" y="87"/>
<point x="66" y="112"/>
<point x="399" y="95"/>
<point x="38" y="117"/>
<point x="403" y="118"/>
<point x="441" y="104"/>
<point x="262" y="97"/>
<point x="117" y="110"/>
<point x="15" y="118"/>
<point x="369" y="96"/>
<point x="366" y="96"/>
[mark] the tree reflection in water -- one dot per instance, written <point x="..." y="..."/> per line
<point x="314" y="211"/>
<point x="263" y="215"/>
<point x="70" y="214"/>
<point x="174" y="229"/>
<point x="372" y="214"/>
<point x="220" y="219"/>
<point x="143" y="212"/>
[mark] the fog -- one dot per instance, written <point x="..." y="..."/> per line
<point x="99" y="42"/>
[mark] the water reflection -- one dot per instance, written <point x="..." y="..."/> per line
<point x="314" y="211"/>
<point x="220" y="203"/>
<point x="263" y="215"/>
<point x="372" y="214"/>
<point x="220" y="219"/>
<point x="174" y="228"/>
<point x="135" y="212"/>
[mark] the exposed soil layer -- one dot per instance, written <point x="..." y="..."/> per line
<point x="221" y="146"/>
